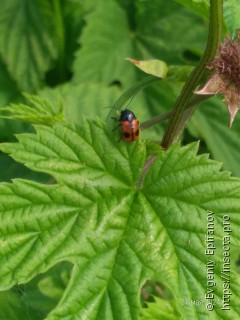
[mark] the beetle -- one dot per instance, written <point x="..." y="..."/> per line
<point x="129" y="125"/>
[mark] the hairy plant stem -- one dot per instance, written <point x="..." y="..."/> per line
<point x="181" y="112"/>
<point x="60" y="38"/>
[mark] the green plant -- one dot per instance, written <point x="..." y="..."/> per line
<point x="91" y="219"/>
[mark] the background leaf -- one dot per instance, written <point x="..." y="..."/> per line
<point x="38" y="111"/>
<point x="104" y="46"/>
<point x="167" y="24"/>
<point x="8" y="92"/>
<point x="231" y="13"/>
<point x="201" y="7"/>
<point x="211" y="124"/>
<point x="160" y="309"/>
<point x="28" y="51"/>
<point x="34" y="300"/>
<point x="83" y="99"/>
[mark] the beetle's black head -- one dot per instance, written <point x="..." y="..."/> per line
<point x="127" y="115"/>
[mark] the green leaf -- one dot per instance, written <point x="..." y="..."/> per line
<point x="34" y="299"/>
<point x="10" y="169"/>
<point x="69" y="21"/>
<point x="43" y="292"/>
<point x="8" y="89"/>
<point x="40" y="111"/>
<point x="25" y="41"/>
<point x="210" y="123"/>
<point x="115" y="221"/>
<point x="231" y="14"/>
<point x="169" y="35"/>
<point x="160" y="309"/>
<point x="155" y="67"/>
<point x="102" y="60"/>
<point x="89" y="99"/>
<point x="181" y="189"/>
<point x="104" y="46"/>
<point x="200" y="7"/>
<point x="8" y="93"/>
<point x="169" y="20"/>
<point x="8" y="310"/>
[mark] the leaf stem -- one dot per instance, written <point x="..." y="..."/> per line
<point x="129" y="94"/>
<point x="181" y="113"/>
<point x="155" y="120"/>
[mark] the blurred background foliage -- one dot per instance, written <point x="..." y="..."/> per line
<point x="75" y="50"/>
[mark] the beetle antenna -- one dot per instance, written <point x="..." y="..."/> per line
<point x="111" y="107"/>
<point x="131" y="100"/>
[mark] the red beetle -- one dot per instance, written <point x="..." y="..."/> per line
<point x="129" y="126"/>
